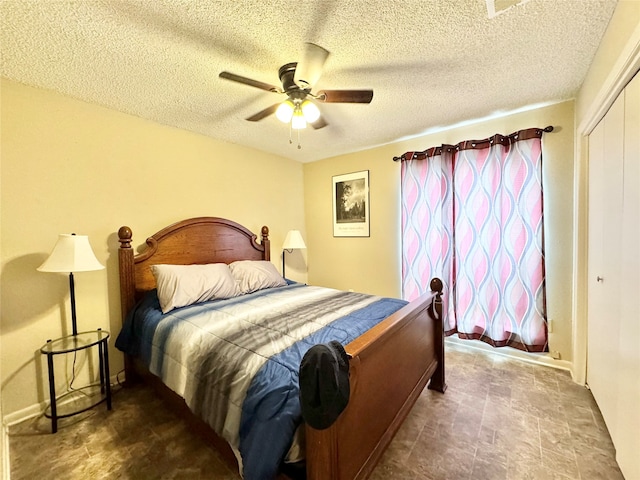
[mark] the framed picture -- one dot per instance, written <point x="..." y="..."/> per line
<point x="351" y="205"/>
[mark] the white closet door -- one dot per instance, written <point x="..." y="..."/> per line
<point x="597" y="326"/>
<point x="605" y="232"/>
<point x="627" y="440"/>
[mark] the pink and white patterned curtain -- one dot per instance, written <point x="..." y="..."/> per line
<point x="427" y="229"/>
<point x="472" y="215"/>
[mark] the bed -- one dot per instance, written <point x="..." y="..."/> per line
<point x="389" y="364"/>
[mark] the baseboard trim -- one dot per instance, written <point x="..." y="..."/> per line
<point x="543" y="359"/>
<point x="6" y="466"/>
<point x="24" y="414"/>
<point x="39" y="408"/>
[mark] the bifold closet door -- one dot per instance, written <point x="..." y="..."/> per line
<point x="605" y="232"/>
<point x="613" y="349"/>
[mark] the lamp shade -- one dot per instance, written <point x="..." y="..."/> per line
<point x="298" y="121"/>
<point x="293" y="240"/>
<point x="284" y="112"/>
<point x="310" y="111"/>
<point x="72" y="253"/>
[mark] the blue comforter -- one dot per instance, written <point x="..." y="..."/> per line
<point x="236" y="361"/>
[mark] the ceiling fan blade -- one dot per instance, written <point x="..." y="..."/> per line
<point x="264" y="113"/>
<point x="248" y="81"/>
<point x="320" y="123"/>
<point x="345" y="96"/>
<point x="309" y="69"/>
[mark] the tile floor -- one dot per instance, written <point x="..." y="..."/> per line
<point x="499" y="419"/>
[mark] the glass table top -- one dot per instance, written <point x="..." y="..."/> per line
<point x="72" y="343"/>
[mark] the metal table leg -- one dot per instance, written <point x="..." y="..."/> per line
<point x="52" y="395"/>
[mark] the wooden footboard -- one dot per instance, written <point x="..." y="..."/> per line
<point x="389" y="368"/>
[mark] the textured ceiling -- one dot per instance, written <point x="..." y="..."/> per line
<point x="431" y="63"/>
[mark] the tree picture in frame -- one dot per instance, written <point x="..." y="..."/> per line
<point x="351" y="204"/>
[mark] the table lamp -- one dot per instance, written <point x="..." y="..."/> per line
<point x="293" y="241"/>
<point x="72" y="253"/>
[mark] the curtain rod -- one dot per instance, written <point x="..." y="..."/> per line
<point x="468" y="144"/>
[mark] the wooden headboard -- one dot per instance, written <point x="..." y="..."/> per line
<point x="210" y="240"/>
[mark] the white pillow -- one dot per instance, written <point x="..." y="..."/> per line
<point x="182" y="285"/>
<point x="253" y="275"/>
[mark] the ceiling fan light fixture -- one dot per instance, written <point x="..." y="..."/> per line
<point x="285" y="111"/>
<point x="310" y="111"/>
<point x="298" y="80"/>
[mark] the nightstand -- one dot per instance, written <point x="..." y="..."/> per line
<point x="73" y="344"/>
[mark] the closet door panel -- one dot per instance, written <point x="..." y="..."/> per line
<point x="627" y="440"/>
<point x="597" y="326"/>
<point x="605" y="214"/>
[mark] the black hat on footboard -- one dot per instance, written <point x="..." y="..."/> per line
<point x="324" y="384"/>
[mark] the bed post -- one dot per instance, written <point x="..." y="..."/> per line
<point x="266" y="243"/>
<point x="125" y="259"/>
<point x="127" y="287"/>
<point x="437" y="380"/>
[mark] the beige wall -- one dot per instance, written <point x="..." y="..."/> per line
<point x="373" y="265"/>
<point x="69" y="166"/>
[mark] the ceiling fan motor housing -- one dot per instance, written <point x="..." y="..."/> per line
<point x="286" y="74"/>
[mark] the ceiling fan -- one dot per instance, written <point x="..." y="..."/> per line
<point x="297" y="81"/>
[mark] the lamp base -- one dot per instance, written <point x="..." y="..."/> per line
<point x="72" y="294"/>
<point x="283" y="263"/>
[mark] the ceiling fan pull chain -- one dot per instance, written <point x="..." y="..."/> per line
<point x="290" y="140"/>
<point x="299" y="147"/>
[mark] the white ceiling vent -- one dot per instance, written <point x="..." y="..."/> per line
<point x="496" y="7"/>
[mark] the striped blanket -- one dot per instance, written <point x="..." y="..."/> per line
<point x="235" y="362"/>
